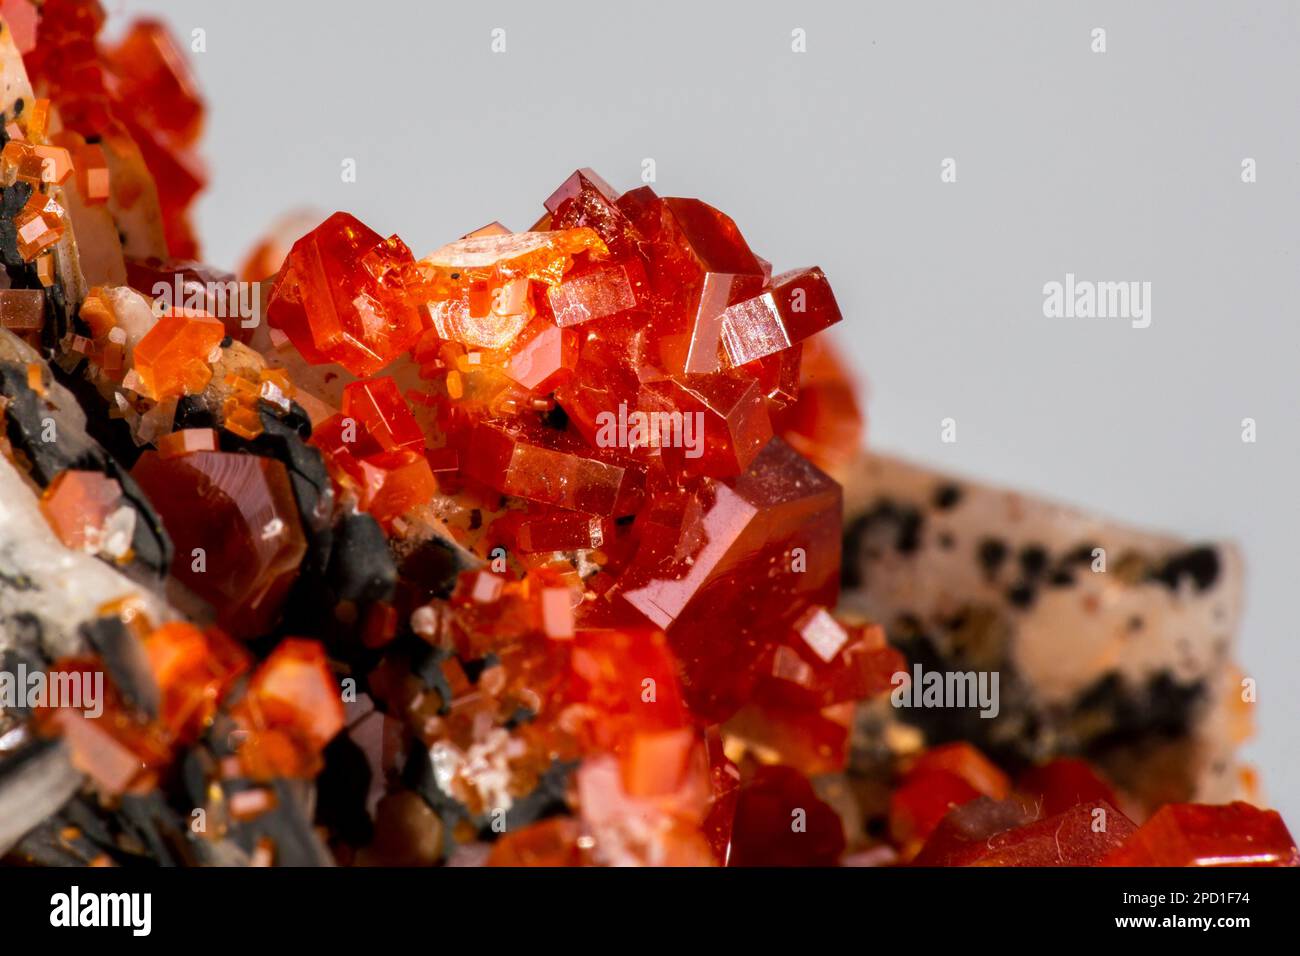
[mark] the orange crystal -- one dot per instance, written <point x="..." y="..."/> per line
<point x="378" y="407"/>
<point x="194" y="669"/>
<point x="173" y="358"/>
<point x="187" y="440"/>
<point x="108" y="741"/>
<point x="39" y="225"/>
<point x="77" y="504"/>
<point x="291" y="710"/>
<point x="394" y="482"/>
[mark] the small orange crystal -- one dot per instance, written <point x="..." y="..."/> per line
<point x="39" y="225"/>
<point x="173" y="358"/>
<point x="292" y="709"/>
<point x="77" y="504"/>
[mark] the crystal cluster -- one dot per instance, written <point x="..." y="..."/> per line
<point x="524" y="552"/>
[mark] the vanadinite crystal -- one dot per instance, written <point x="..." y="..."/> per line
<point x="1190" y="834"/>
<point x="744" y="558"/>
<point x="78" y="505"/>
<point x="291" y="710"/>
<point x="235" y="525"/>
<point x="193" y="669"/>
<point x="780" y="821"/>
<point x="136" y="98"/>
<point x="174" y="358"/>
<point x="339" y="297"/>
<point x="986" y="833"/>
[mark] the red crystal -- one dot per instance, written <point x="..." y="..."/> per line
<point x="780" y="821"/>
<point x="699" y="264"/>
<point x="825" y="422"/>
<point x="598" y="293"/>
<point x="542" y="356"/>
<point x="194" y="669"/>
<point x="1197" y="834"/>
<point x="234" y="522"/>
<point x="394" y="482"/>
<point x="965" y="761"/>
<point x="378" y="406"/>
<point x="986" y="833"/>
<point x="728" y="424"/>
<point x="745" y="558"/>
<point x="825" y="662"/>
<point x="546" y="466"/>
<point x="337" y="300"/>
<point x="795" y="306"/>
<point x="153" y="76"/>
<point x="1063" y="783"/>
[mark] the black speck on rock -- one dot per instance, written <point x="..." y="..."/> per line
<point x="947" y="496"/>
<point x="1201" y="564"/>
<point x="991" y="553"/>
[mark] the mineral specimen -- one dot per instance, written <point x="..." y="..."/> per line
<point x="527" y="551"/>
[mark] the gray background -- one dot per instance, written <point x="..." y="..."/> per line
<point x="1116" y="166"/>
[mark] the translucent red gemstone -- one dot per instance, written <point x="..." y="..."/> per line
<point x="780" y="821"/>
<point x="549" y="467"/>
<point x="338" y="297"/>
<point x="378" y="407"/>
<point x="194" y="670"/>
<point x="234" y="522"/>
<point x="1194" y="834"/>
<point x="986" y="833"/>
<point x="1064" y="782"/>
